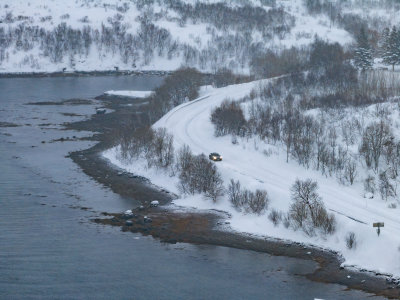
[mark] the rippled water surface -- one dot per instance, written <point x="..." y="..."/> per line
<point x="49" y="249"/>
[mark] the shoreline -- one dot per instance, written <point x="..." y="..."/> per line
<point x="174" y="226"/>
<point x="84" y="73"/>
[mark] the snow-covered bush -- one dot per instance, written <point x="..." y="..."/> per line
<point x="351" y="241"/>
<point x="245" y="200"/>
<point x="258" y="201"/>
<point x="275" y="217"/>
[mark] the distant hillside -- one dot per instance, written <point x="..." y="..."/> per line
<point x="166" y="34"/>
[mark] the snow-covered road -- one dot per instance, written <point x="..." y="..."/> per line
<point x="190" y="124"/>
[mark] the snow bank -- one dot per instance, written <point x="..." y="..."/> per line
<point x="130" y="94"/>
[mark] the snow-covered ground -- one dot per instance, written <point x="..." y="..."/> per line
<point x="47" y="15"/>
<point x="190" y="124"/>
<point x="130" y="94"/>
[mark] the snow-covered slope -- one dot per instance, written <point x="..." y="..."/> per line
<point x="118" y="37"/>
<point x="190" y="124"/>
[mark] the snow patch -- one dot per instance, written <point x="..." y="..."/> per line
<point x="130" y="94"/>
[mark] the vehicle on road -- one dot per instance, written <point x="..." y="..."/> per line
<point x="215" y="156"/>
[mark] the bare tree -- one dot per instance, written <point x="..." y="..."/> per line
<point x="162" y="150"/>
<point x="369" y="184"/>
<point x="307" y="210"/>
<point x="375" y="137"/>
<point x="184" y="158"/>
<point x="234" y="193"/>
<point x="305" y="193"/>
<point x="386" y="188"/>
<point x="350" y="171"/>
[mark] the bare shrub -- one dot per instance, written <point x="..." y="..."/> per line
<point x="350" y="171"/>
<point x="214" y="188"/>
<point x="234" y="140"/>
<point x="258" y="201"/>
<point x="234" y="193"/>
<point x="351" y="241"/>
<point x="224" y="77"/>
<point x="298" y="215"/>
<point x="161" y="153"/>
<point x="275" y="217"/>
<point x="375" y="136"/>
<point x="182" y="85"/>
<point x="250" y="202"/>
<point x="133" y="142"/>
<point x="324" y="220"/>
<point x="184" y="158"/>
<point x="272" y="64"/>
<point x="286" y="220"/>
<point x="228" y="118"/>
<point x="369" y="184"/>
<point x="201" y="176"/>
<point x="84" y="19"/>
<point x="386" y="188"/>
<point x="307" y="210"/>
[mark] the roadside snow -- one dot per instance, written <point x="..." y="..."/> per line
<point x="190" y="124"/>
<point x="130" y="94"/>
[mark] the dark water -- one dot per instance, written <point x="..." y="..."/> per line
<point x="50" y="250"/>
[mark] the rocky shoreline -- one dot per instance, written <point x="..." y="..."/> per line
<point x="84" y="73"/>
<point x="173" y="226"/>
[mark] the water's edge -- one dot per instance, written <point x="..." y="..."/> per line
<point x="207" y="230"/>
<point x="84" y="73"/>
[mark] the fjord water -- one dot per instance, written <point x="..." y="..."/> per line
<point x="49" y="248"/>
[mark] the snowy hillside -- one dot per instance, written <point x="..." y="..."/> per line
<point x="259" y="165"/>
<point x="91" y="35"/>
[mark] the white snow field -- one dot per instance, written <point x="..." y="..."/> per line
<point x="48" y="14"/>
<point x="130" y="94"/>
<point x="190" y="124"/>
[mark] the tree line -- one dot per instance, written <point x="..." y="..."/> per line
<point x="277" y="114"/>
<point x="230" y="30"/>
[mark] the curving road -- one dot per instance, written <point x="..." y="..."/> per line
<point x="190" y="124"/>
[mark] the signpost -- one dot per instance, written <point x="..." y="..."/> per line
<point x="378" y="225"/>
